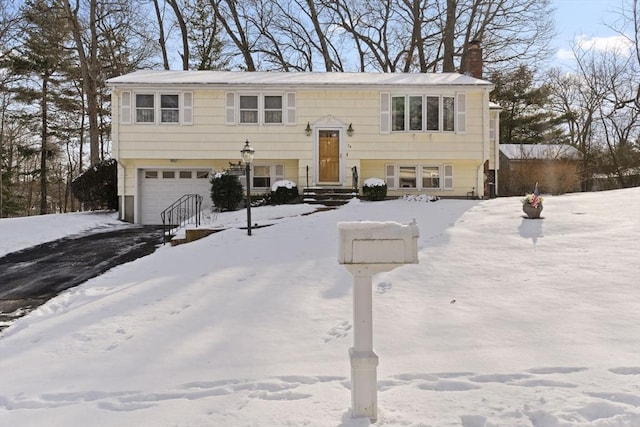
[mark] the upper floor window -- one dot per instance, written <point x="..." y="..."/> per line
<point x="415" y="113"/>
<point x="169" y="109"/>
<point x="431" y="113"/>
<point x="145" y="108"/>
<point x="448" y="113"/>
<point x="249" y="109"/>
<point x="260" y="109"/>
<point x="397" y="113"/>
<point x="273" y="109"/>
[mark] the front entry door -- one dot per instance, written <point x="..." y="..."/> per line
<point x="329" y="156"/>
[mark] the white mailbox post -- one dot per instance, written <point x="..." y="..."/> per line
<point x="368" y="248"/>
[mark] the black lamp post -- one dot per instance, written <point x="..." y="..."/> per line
<point x="247" y="158"/>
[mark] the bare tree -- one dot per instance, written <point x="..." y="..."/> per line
<point x="184" y="35"/>
<point x="90" y="67"/>
<point x="162" y="40"/>
<point x="233" y="19"/>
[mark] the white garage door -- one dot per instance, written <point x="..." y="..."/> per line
<point x="159" y="188"/>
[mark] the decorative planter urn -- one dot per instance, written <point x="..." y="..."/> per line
<point x="532" y="213"/>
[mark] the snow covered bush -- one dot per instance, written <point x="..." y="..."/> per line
<point x="226" y="191"/>
<point x="283" y="191"/>
<point x="374" y="189"/>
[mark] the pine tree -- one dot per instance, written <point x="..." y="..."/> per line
<point x="524" y="118"/>
<point x="41" y="58"/>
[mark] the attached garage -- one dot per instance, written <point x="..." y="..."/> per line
<point x="159" y="188"/>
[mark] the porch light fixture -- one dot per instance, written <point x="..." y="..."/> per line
<point x="247" y="157"/>
<point x="307" y="130"/>
<point x="350" y="130"/>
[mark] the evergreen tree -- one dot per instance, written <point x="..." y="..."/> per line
<point x="41" y="58"/>
<point x="525" y="118"/>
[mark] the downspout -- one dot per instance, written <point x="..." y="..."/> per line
<point x="485" y="142"/>
<point x="115" y="140"/>
<point x="496" y="154"/>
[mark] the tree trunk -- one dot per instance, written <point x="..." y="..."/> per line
<point x="90" y="71"/>
<point x="45" y="148"/>
<point x="326" y="55"/>
<point x="161" y="40"/>
<point x="183" y="32"/>
<point x="237" y="35"/>
<point x="448" y="39"/>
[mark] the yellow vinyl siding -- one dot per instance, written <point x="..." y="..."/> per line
<point x="210" y="142"/>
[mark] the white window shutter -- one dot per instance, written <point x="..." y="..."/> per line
<point x="279" y="173"/>
<point x="384" y="113"/>
<point x="125" y="110"/>
<point x="448" y="177"/>
<point x="291" y="108"/>
<point x="461" y="109"/>
<point x="230" y="108"/>
<point x="492" y="129"/>
<point x="390" y="176"/>
<point x="187" y="108"/>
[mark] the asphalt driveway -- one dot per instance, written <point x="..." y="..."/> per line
<point x="32" y="276"/>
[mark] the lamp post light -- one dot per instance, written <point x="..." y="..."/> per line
<point x="247" y="158"/>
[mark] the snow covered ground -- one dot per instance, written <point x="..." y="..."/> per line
<point x="504" y="322"/>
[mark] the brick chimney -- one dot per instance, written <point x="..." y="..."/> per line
<point x="473" y="60"/>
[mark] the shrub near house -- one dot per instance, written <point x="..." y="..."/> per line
<point x="374" y="189"/>
<point x="226" y="191"/>
<point x="96" y="188"/>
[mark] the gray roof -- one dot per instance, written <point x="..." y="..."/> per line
<point x="271" y="78"/>
<point x="539" y="151"/>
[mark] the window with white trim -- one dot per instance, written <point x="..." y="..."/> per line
<point x="433" y="113"/>
<point x="423" y="113"/>
<point x="249" y="109"/>
<point x="397" y="113"/>
<point x="260" y="109"/>
<point x="431" y="177"/>
<point x="265" y="175"/>
<point x="448" y="113"/>
<point x="145" y="108"/>
<point x="272" y="109"/>
<point x="415" y="113"/>
<point x="419" y="177"/>
<point x="261" y="176"/>
<point x="407" y="177"/>
<point x="170" y="108"/>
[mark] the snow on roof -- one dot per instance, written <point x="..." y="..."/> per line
<point x="272" y="78"/>
<point x="539" y="151"/>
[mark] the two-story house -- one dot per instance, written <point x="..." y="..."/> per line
<point x="422" y="133"/>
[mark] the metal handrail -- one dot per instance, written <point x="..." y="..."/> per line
<point x="186" y="210"/>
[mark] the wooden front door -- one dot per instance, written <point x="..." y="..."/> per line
<point x="328" y="156"/>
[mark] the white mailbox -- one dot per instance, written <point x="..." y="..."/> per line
<point x="368" y="242"/>
<point x="368" y="248"/>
